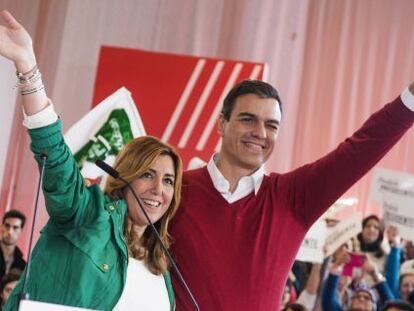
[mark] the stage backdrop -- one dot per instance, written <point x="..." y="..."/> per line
<point x="179" y="98"/>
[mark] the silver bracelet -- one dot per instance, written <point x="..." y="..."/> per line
<point x="32" y="80"/>
<point x="33" y="90"/>
<point x="21" y="75"/>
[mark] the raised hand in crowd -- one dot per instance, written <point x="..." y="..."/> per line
<point x="393" y="236"/>
<point x="371" y="268"/>
<point x="339" y="258"/>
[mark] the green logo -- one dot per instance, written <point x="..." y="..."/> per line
<point x="109" y="140"/>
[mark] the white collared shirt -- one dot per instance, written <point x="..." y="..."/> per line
<point x="245" y="186"/>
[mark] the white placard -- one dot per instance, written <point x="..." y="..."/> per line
<point x="342" y="232"/>
<point x="395" y="190"/>
<point x="311" y="249"/>
<point x="396" y="183"/>
<point x="399" y="212"/>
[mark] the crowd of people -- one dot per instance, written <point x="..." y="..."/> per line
<point x="384" y="279"/>
<point x="233" y="230"/>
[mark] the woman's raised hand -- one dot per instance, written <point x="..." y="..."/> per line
<point x="16" y="43"/>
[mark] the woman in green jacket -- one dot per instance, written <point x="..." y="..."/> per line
<point x="97" y="250"/>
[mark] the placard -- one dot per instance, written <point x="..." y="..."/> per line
<point x="311" y="249"/>
<point x="342" y="232"/>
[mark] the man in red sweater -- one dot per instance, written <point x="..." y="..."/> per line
<point x="238" y="230"/>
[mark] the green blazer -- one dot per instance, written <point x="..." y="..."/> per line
<point x="81" y="256"/>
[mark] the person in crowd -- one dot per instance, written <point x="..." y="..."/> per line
<point x="7" y="284"/>
<point x="309" y="294"/>
<point x="406" y="283"/>
<point x="11" y="257"/>
<point x="330" y="301"/>
<point x="398" y="305"/>
<point x="363" y="298"/>
<point x="98" y="248"/>
<point x="400" y="277"/>
<point x="370" y="240"/>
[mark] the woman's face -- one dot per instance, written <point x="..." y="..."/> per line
<point x="370" y="233"/>
<point x="406" y="285"/>
<point x="155" y="187"/>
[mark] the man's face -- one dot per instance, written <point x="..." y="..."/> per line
<point x="10" y="231"/>
<point x="361" y="301"/>
<point x="249" y="135"/>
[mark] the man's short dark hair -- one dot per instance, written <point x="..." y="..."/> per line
<point x="399" y="304"/>
<point x="15" y="214"/>
<point x="257" y="87"/>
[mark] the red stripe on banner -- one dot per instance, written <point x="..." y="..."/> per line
<point x="191" y="104"/>
<point x="172" y="122"/>
<point x="209" y="108"/>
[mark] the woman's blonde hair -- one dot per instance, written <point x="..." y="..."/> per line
<point x="133" y="160"/>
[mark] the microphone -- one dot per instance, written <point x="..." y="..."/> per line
<point x="108" y="169"/>
<point x="23" y="295"/>
<point x="115" y="174"/>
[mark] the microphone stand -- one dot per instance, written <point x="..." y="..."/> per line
<point x="23" y="295"/>
<point x="115" y="174"/>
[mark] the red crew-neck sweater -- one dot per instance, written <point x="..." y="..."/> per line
<point x="237" y="256"/>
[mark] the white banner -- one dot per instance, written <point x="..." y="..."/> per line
<point x="399" y="212"/>
<point x="342" y="232"/>
<point x="386" y="182"/>
<point x="395" y="190"/>
<point x="103" y="131"/>
<point x="311" y="249"/>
